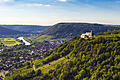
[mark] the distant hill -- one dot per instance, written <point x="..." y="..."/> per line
<point x="63" y="30"/>
<point x="26" y="28"/>
<point x="97" y="58"/>
<point x="6" y="31"/>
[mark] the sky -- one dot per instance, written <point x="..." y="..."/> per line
<point x="50" y="12"/>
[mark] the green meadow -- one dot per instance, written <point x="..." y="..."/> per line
<point x="9" y="42"/>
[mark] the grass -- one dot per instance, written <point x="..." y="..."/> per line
<point x="9" y="42"/>
<point x="45" y="68"/>
<point x="44" y="38"/>
<point x="112" y="35"/>
<point x="41" y="38"/>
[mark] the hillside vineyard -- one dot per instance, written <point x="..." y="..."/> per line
<point x="96" y="58"/>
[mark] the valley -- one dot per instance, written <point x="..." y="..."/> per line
<point x="59" y="39"/>
<point x="13" y="56"/>
<point x="76" y="59"/>
<point x="60" y="48"/>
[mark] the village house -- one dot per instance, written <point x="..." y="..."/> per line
<point x="88" y="34"/>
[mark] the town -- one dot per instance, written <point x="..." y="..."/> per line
<point x="28" y="53"/>
<point x="9" y="59"/>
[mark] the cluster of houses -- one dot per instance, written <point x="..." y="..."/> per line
<point x="7" y="64"/>
<point x="44" y="47"/>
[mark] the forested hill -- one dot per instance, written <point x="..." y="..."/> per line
<point x="5" y="31"/>
<point x="63" y="30"/>
<point x="26" y="28"/>
<point x="97" y="58"/>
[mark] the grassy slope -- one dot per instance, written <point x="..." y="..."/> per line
<point x="47" y="67"/>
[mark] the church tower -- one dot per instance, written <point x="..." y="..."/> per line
<point x="91" y="33"/>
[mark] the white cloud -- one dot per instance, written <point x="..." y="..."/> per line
<point x="47" y="5"/>
<point x="62" y="0"/>
<point x="4" y="1"/>
<point x="36" y="5"/>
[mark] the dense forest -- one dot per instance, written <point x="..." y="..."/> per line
<point x="96" y="58"/>
<point x="63" y="30"/>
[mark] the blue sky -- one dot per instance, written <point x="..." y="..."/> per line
<point x="49" y="12"/>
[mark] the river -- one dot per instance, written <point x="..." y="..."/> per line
<point x="26" y="43"/>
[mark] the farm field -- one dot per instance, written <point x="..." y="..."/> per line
<point x="42" y="38"/>
<point x="9" y="42"/>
